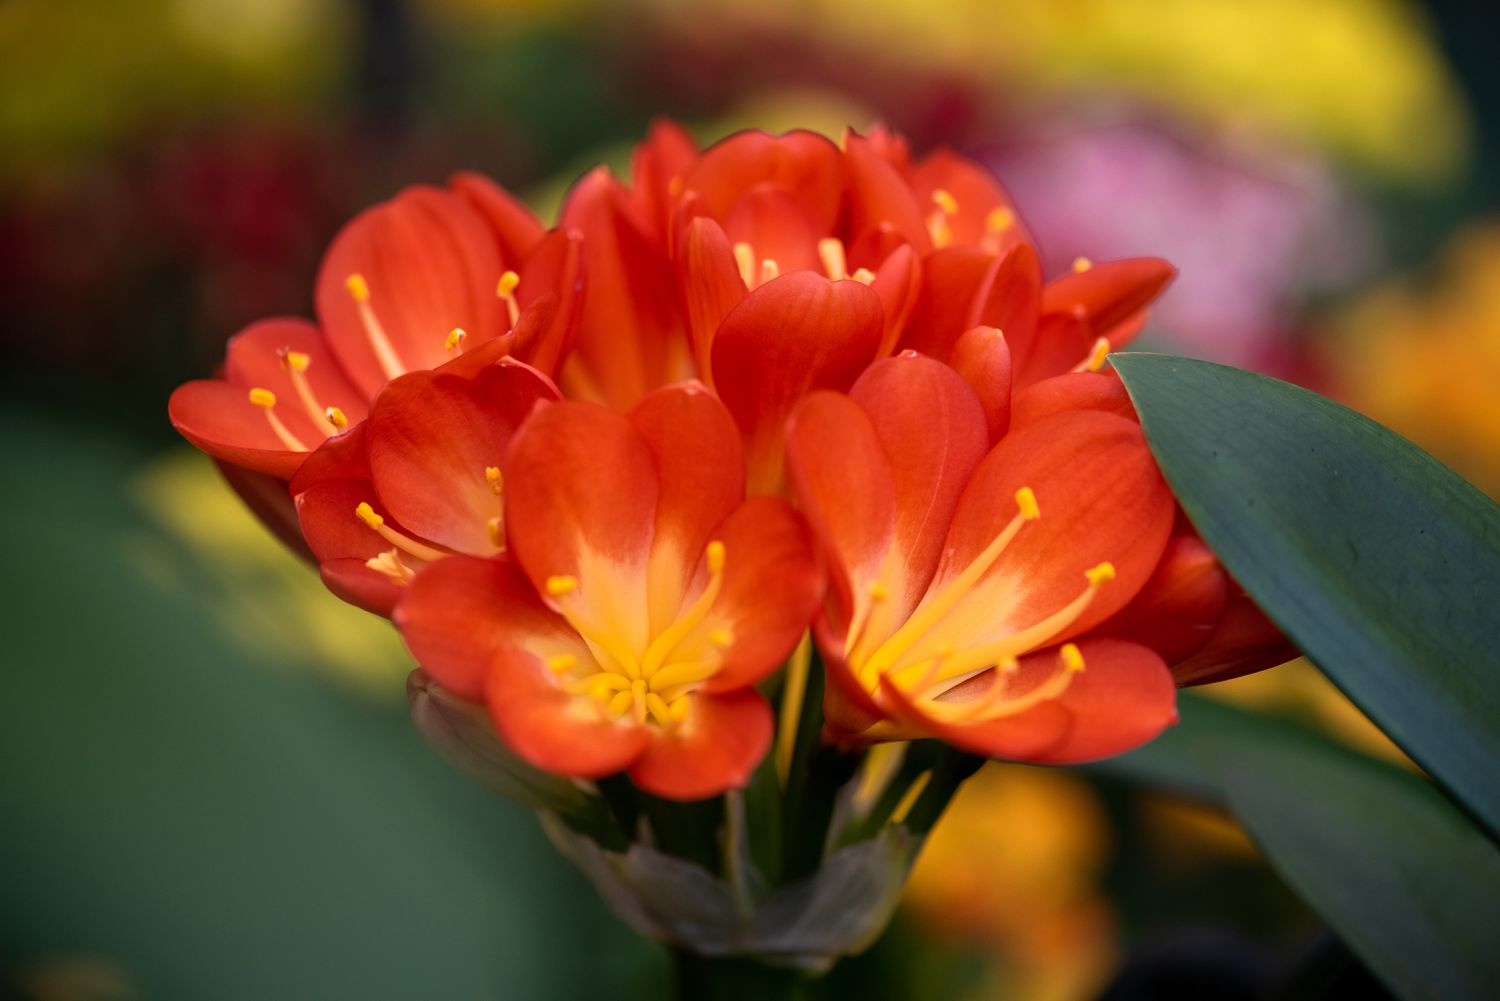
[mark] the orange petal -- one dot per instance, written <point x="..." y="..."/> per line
<point x="1122" y="699"/>
<point x="879" y="194"/>
<point x="459" y="613"/>
<point x="516" y="229"/>
<point x="1177" y="610"/>
<point x="1101" y="498"/>
<point x="898" y="281"/>
<point x="805" y="165"/>
<point x="772" y="587"/>
<point x="842" y="481"/>
<point x="658" y="165"/>
<point x="580" y="501"/>
<point x="982" y="358"/>
<point x="429" y="263"/>
<point x="547" y="726"/>
<point x="431" y="438"/>
<point x="1110" y="294"/>
<point x="1101" y="391"/>
<point x="794" y="334"/>
<point x="1244" y="641"/>
<point x="714" y="750"/>
<point x="631" y="331"/>
<point x="932" y="430"/>
<point x="711" y="285"/>
<point x="700" y="467"/>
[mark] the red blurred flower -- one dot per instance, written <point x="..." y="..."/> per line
<point x="640" y="598"/>
<point x="1019" y="595"/>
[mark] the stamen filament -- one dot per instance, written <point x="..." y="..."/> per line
<point x="266" y="400"/>
<point x="744" y="257"/>
<point x="296" y="364"/>
<point x="365" y="513"/>
<point x="835" y="262"/>
<point x="506" y="290"/>
<point x="972" y="662"/>
<point x="390" y="362"/>
<point x="929" y="613"/>
<point x="666" y="642"/>
<point x="1096" y="356"/>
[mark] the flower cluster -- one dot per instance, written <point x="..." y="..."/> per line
<point x="605" y="477"/>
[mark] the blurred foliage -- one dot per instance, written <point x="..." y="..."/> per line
<point x="194" y="811"/>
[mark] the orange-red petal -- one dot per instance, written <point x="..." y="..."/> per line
<point x="552" y="729"/>
<point x="792" y="335"/>
<point x="429" y="263"/>
<point x="714" y="749"/>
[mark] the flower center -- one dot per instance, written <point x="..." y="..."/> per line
<point x="651" y="685"/>
<point x="928" y="666"/>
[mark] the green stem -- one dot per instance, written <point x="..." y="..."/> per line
<point x="948" y="773"/>
<point x="808" y="816"/>
<point x="706" y="978"/>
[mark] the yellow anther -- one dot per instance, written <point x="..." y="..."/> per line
<point x="864" y="276"/>
<point x="561" y="662"/>
<point x="831" y="253"/>
<point x="455" y="338"/>
<point x="1081" y="264"/>
<point x="496" y="528"/>
<point x="507" y="285"/>
<point x="721" y="638"/>
<point x="496" y="480"/>
<point x="1072" y="657"/>
<point x="1009" y="665"/>
<point x="657" y="706"/>
<point x="391" y="564"/>
<point x="943" y="199"/>
<point x="621" y="702"/>
<point x="1000" y="219"/>
<point x="744" y="258"/>
<point x="358" y="287"/>
<point x="714" y="554"/>
<point x="365" y="513"/>
<point x="769" y="269"/>
<point x="1026" y="501"/>
<point x="559" y="585"/>
<point x="679" y="709"/>
<point x="295" y="361"/>
<point x="335" y="416"/>
<point x="263" y="398"/>
<point x="879" y="591"/>
<point x="1101" y="573"/>
<point x="1097" y="355"/>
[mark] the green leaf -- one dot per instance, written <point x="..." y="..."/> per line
<point x="1395" y="870"/>
<point x="1378" y="561"/>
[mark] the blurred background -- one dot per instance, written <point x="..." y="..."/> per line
<point x="208" y="783"/>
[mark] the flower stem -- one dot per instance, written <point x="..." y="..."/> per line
<point x="733" y="978"/>
<point x="948" y="773"/>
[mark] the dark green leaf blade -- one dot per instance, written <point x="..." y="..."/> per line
<point x="1379" y="562"/>
<point x="1394" y="868"/>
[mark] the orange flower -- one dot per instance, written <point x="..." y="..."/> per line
<point x="640" y="598"/>
<point x="773" y="266"/>
<point x="429" y="279"/>
<point x="971" y="577"/>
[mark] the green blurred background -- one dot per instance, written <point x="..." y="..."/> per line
<point x="208" y="783"/>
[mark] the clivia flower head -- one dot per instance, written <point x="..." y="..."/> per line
<point x="873" y="337"/>
<point x="430" y="279"/>
<point x="773" y="266"/>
